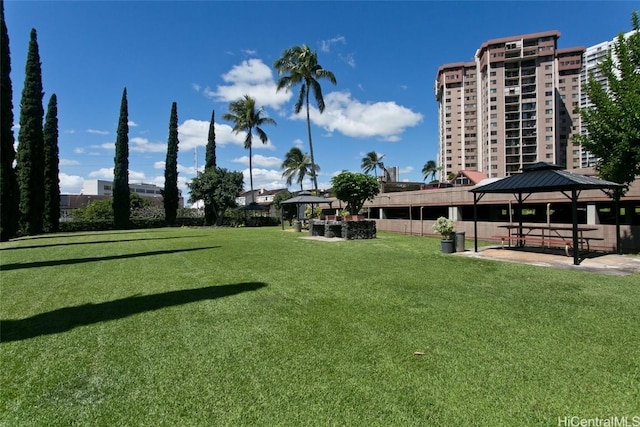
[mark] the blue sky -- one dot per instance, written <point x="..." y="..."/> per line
<point x="205" y="54"/>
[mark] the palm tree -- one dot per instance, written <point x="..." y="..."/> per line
<point x="299" y="65"/>
<point x="372" y="162"/>
<point x="429" y="169"/>
<point x="246" y="118"/>
<point x="297" y="164"/>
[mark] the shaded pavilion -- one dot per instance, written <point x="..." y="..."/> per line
<point x="304" y="198"/>
<point x="544" y="177"/>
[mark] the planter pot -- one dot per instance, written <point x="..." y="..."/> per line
<point x="297" y="226"/>
<point x="447" y="246"/>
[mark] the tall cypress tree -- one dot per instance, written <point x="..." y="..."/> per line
<point x="9" y="193"/>
<point x="210" y="163"/>
<point x="121" y="194"/>
<point x="51" y="168"/>
<point x="170" y="193"/>
<point x="30" y="164"/>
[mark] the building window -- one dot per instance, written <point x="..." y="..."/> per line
<point x="548" y="102"/>
<point x="548" y="111"/>
<point x="548" y="84"/>
<point x="548" y="138"/>
<point x="549" y="128"/>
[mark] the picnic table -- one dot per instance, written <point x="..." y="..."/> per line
<point x="546" y="235"/>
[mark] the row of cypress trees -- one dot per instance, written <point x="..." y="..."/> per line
<point x="121" y="194"/>
<point x="30" y="190"/>
<point x="29" y="179"/>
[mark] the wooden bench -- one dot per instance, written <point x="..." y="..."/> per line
<point x="564" y="242"/>
<point x="543" y="241"/>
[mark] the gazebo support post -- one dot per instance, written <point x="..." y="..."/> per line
<point x="475" y="222"/>
<point x="574" y="216"/>
<point x="616" y="205"/>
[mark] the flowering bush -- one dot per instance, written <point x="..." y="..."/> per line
<point x="444" y="226"/>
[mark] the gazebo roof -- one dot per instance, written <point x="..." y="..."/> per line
<point x="544" y="177"/>
<point x="305" y="197"/>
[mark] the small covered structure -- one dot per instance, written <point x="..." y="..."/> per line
<point x="305" y="198"/>
<point x="544" y="177"/>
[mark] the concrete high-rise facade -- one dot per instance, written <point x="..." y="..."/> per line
<point x="514" y="105"/>
<point x="592" y="57"/>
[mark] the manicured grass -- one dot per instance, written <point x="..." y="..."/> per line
<point x="258" y="327"/>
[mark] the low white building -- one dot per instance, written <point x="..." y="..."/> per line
<point x="98" y="187"/>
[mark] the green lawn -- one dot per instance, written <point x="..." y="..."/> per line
<point x="257" y="327"/>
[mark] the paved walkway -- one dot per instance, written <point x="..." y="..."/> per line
<point x="619" y="265"/>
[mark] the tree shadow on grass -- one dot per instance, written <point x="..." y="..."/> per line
<point x="51" y="263"/>
<point x="14" y="248"/>
<point x="67" y="318"/>
<point x="62" y="234"/>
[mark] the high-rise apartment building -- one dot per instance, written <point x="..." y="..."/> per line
<point x="592" y="57"/>
<point x="514" y="105"/>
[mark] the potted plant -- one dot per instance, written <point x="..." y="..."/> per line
<point x="343" y="214"/>
<point x="444" y="226"/>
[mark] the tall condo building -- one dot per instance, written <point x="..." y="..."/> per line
<point x="514" y="105"/>
<point x="592" y="57"/>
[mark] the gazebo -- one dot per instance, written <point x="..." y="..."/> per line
<point x="304" y="198"/>
<point x="544" y="177"/>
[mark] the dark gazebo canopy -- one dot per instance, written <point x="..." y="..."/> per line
<point x="305" y="198"/>
<point x="544" y="177"/>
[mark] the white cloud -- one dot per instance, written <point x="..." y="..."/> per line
<point x="186" y="170"/>
<point x="78" y="150"/>
<point x="259" y="160"/>
<point x="67" y="162"/>
<point x="406" y="169"/>
<point x="135" y="176"/>
<point x="385" y="120"/>
<point x="70" y="184"/>
<point x="348" y="59"/>
<point x="106" y="146"/>
<point x="194" y="133"/>
<point x="103" y="173"/>
<point x="98" y="132"/>
<point x="196" y="87"/>
<point x="326" y="45"/>
<point x="144" y="146"/>
<point x="107" y="174"/>
<point x="299" y="143"/>
<point x="132" y="124"/>
<point x="264" y="178"/>
<point x="252" y="77"/>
